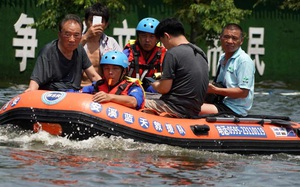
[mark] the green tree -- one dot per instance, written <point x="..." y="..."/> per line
<point x="281" y="4"/>
<point x="291" y="4"/>
<point x="207" y="17"/>
<point x="57" y="9"/>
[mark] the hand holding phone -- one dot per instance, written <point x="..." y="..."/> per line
<point x="97" y="20"/>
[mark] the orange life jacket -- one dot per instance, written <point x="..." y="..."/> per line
<point x="139" y="64"/>
<point x="121" y="89"/>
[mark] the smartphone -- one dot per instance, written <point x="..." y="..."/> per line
<point x="150" y="79"/>
<point x="97" y="20"/>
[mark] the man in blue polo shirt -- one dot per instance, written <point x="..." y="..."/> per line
<point x="237" y="73"/>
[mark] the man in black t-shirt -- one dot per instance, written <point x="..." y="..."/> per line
<point x="185" y="79"/>
<point x="60" y="63"/>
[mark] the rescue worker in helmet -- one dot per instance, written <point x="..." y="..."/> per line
<point x="145" y="56"/>
<point x="116" y="86"/>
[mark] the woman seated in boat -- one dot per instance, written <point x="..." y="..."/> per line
<point x="115" y="86"/>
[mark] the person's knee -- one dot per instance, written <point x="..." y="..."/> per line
<point x="208" y="109"/>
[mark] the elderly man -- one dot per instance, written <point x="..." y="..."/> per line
<point x="60" y="63"/>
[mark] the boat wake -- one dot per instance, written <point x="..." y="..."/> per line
<point x="14" y="137"/>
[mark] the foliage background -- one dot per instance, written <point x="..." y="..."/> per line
<point x="204" y="17"/>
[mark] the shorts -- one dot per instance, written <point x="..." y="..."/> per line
<point x="160" y="106"/>
<point x="222" y="108"/>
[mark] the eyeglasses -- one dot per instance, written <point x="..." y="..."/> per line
<point x="68" y="35"/>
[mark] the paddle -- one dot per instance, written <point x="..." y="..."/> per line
<point x="260" y="121"/>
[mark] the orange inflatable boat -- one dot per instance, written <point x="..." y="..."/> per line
<point x="76" y="116"/>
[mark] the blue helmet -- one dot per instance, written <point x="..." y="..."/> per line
<point x="147" y="25"/>
<point x="115" y="58"/>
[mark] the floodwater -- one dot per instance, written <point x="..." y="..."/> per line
<point x="43" y="160"/>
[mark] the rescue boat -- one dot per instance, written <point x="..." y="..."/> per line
<point x="77" y="117"/>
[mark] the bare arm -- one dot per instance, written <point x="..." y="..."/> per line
<point x="125" y="100"/>
<point x="162" y="86"/>
<point x="230" y="92"/>
<point x="92" y="74"/>
<point x="32" y="86"/>
<point x="94" y="30"/>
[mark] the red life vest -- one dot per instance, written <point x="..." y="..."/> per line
<point x="138" y="62"/>
<point x="120" y="89"/>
